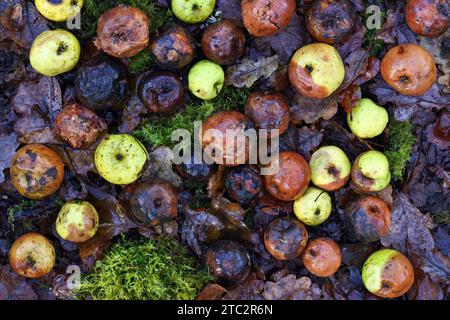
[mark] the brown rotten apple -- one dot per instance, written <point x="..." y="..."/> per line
<point x="330" y="21"/>
<point x="267" y="17"/>
<point x="122" y="32"/>
<point x="409" y="69"/>
<point x="322" y="257"/>
<point x="243" y="184"/>
<point x="428" y="18"/>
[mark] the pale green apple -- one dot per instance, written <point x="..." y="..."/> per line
<point x="54" y="52"/>
<point x="77" y="221"/>
<point x="330" y="168"/>
<point x="367" y="119"/>
<point x="373" y="269"/>
<point x="206" y="79"/>
<point x="313" y="207"/>
<point x="193" y="11"/>
<point x="59" y="10"/>
<point x="120" y="158"/>
<point x="370" y="171"/>
<point x="316" y="70"/>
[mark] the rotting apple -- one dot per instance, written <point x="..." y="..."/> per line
<point x="370" y="171"/>
<point x="206" y="79"/>
<point x="367" y="119"/>
<point x="36" y="171"/>
<point x="330" y="21"/>
<point x="322" y="257"/>
<point x="367" y="219"/>
<point x="388" y="273"/>
<point x="285" y="238"/>
<point x="243" y="184"/>
<point x="223" y="42"/>
<point x="330" y="168"/>
<point x="428" y="18"/>
<point x="59" y="10"/>
<point x="409" y="69"/>
<point x="264" y="18"/>
<point x="195" y="171"/>
<point x="77" y="221"/>
<point x="316" y="70"/>
<point x="313" y="207"/>
<point x="122" y="32"/>
<point x="120" y="158"/>
<point x="32" y="255"/>
<point x="291" y="178"/>
<point x="54" y="52"/>
<point x="193" y="11"/>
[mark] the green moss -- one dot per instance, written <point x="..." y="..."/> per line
<point x="16" y="209"/>
<point x="442" y="217"/>
<point x="158" y="131"/>
<point x="140" y="62"/>
<point x="400" y="146"/>
<point x="370" y="41"/>
<point x="145" y="270"/>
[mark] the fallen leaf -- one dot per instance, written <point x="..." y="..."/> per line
<point x="9" y="143"/>
<point x="212" y="292"/>
<point x="14" y="287"/>
<point x="247" y="72"/>
<point x="160" y="167"/>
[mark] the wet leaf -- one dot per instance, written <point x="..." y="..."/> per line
<point x="9" y="143"/>
<point x="160" y="167"/>
<point x="290" y="287"/>
<point x="231" y="10"/>
<point x="247" y="72"/>
<point x="131" y="115"/>
<point x="212" y="292"/>
<point x="14" y="287"/>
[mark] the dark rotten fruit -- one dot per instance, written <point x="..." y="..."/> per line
<point x="291" y="179"/>
<point x="267" y="17"/>
<point x="154" y="203"/>
<point x="78" y="126"/>
<point x="161" y="92"/>
<point x="268" y="111"/>
<point x="195" y="171"/>
<point x="32" y="255"/>
<point x="173" y="49"/>
<point x="36" y="171"/>
<point x="367" y="219"/>
<point x="409" y="69"/>
<point x="243" y="184"/>
<point x="122" y="32"/>
<point x="285" y="238"/>
<point x="322" y="257"/>
<point x="223" y="42"/>
<point x="428" y="18"/>
<point x="441" y="129"/>
<point x="101" y="83"/>
<point x="330" y="21"/>
<point x="228" y="262"/>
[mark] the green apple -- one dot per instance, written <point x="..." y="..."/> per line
<point x="206" y="79"/>
<point x="120" y="158"/>
<point x="370" y="171"/>
<point x="59" y="10"/>
<point x="330" y="168"/>
<point x="367" y="119"/>
<point x="77" y="221"/>
<point x="316" y="70"/>
<point x="193" y="11"/>
<point x="54" y="52"/>
<point x="313" y="207"/>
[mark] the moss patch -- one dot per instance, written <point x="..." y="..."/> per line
<point x="145" y="270"/>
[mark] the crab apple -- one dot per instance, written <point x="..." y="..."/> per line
<point x="322" y="257"/>
<point x="370" y="171"/>
<point x="313" y="207"/>
<point x="77" y="221"/>
<point x="428" y="18"/>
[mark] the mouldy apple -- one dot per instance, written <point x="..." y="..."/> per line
<point x="36" y="171"/>
<point x="193" y="11"/>
<point x="330" y="168"/>
<point x="206" y="79"/>
<point x="313" y="207"/>
<point x="316" y="70"/>
<point x="428" y="18"/>
<point x="54" y="52"/>
<point x="77" y="221"/>
<point x="32" y="255"/>
<point x="243" y="184"/>
<point x="370" y="171"/>
<point x="59" y="10"/>
<point x="388" y="273"/>
<point x="120" y="158"/>
<point x="367" y="119"/>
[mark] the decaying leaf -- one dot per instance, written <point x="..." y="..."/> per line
<point x="14" y="287"/>
<point x="160" y="167"/>
<point x="247" y="72"/>
<point x="9" y="143"/>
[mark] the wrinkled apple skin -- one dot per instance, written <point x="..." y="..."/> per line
<point x="388" y="273"/>
<point x="367" y="119"/>
<point x="206" y="79"/>
<point x="370" y="171"/>
<point x="313" y="207"/>
<point x="77" y="221"/>
<point x="32" y="255"/>
<point x="54" y="52"/>
<point x="193" y="11"/>
<point x="60" y="10"/>
<point x="330" y="168"/>
<point x="120" y="158"/>
<point x="316" y="70"/>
